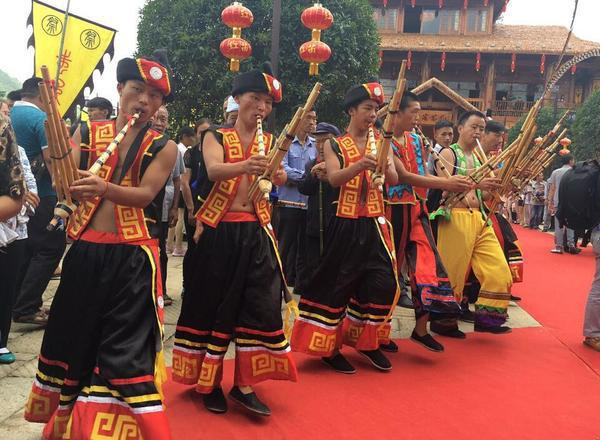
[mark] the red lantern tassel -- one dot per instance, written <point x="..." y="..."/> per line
<point x="478" y="61"/>
<point x="409" y="60"/>
<point x="513" y="63"/>
<point x="543" y="64"/>
<point x="443" y="63"/>
<point x="441" y="4"/>
<point x="466" y="4"/>
<point x="413" y="3"/>
<point x="486" y="2"/>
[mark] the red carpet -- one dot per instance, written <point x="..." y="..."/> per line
<point x="535" y="383"/>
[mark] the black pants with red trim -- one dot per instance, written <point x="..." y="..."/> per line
<point x="413" y="237"/>
<point x="351" y="292"/>
<point x="235" y="293"/>
<point x="99" y="349"/>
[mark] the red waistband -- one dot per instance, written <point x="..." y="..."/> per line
<point x="363" y="211"/>
<point x="94" y="236"/>
<point x="239" y="217"/>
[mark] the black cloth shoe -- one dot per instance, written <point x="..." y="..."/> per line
<point x="390" y="347"/>
<point x="467" y="316"/>
<point x="250" y="402"/>
<point x="449" y="332"/>
<point x="377" y="359"/>
<point x="515" y="298"/>
<point x="340" y="364"/>
<point x="573" y="250"/>
<point x="427" y="341"/>
<point x="495" y="329"/>
<point x="215" y="401"/>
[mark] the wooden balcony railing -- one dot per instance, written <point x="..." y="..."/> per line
<point x="514" y="109"/>
<point x="477" y="102"/>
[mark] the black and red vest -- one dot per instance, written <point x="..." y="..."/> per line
<point x="133" y="224"/>
<point x="349" y="197"/>
<point x="413" y="157"/>
<point x="217" y="197"/>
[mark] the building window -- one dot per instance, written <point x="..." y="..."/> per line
<point x="518" y="92"/>
<point x="465" y="89"/>
<point x="387" y="20"/>
<point x="440" y="21"/>
<point x="477" y="21"/>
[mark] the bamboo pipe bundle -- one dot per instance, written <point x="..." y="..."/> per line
<point x="388" y="129"/>
<point x="262" y="184"/>
<point x="62" y="164"/>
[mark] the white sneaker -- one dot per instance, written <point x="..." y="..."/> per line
<point x="556" y="250"/>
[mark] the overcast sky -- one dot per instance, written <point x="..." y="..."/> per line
<point x="122" y="15"/>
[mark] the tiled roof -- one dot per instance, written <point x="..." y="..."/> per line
<point x="504" y="39"/>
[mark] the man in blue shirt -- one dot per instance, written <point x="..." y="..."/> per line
<point x="292" y="204"/>
<point x="44" y="248"/>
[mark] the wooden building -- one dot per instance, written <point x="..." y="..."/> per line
<point x="493" y="66"/>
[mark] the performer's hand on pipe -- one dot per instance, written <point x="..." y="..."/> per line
<point x="256" y="165"/>
<point x="489" y="184"/>
<point x="280" y="176"/>
<point x="32" y="198"/>
<point x="88" y="187"/>
<point x="368" y="162"/>
<point x="458" y="184"/>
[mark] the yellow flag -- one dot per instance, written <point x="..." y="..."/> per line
<point x="84" y="47"/>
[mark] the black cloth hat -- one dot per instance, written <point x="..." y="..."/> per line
<point x="153" y="70"/>
<point x="258" y="81"/>
<point x="362" y="92"/>
<point x="99" y="102"/>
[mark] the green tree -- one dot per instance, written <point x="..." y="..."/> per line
<point x="586" y="129"/>
<point x="191" y="30"/>
<point x="546" y="121"/>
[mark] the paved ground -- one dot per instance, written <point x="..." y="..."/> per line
<point x="25" y="341"/>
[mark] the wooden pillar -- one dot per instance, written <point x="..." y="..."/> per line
<point x="490" y="85"/>
<point x="426" y="68"/>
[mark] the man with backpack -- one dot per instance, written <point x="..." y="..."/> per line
<point x="560" y="244"/>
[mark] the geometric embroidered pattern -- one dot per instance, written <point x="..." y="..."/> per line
<point x="265" y="363"/>
<point x="223" y="193"/>
<point x="320" y="342"/>
<point x="109" y="426"/>
<point x="349" y="198"/>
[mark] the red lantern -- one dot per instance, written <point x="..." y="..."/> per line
<point x="478" y="61"/>
<point x="466" y="4"/>
<point x="443" y="63"/>
<point x="486" y="2"/>
<point x="409" y="60"/>
<point x="413" y="3"/>
<point x="441" y="4"/>
<point x="236" y="49"/>
<point x="574" y="69"/>
<point x="317" y="18"/>
<point x="513" y="63"/>
<point x="565" y="143"/>
<point x="237" y="17"/>
<point x="314" y="52"/>
<point x="543" y="64"/>
<point x="385" y="3"/>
